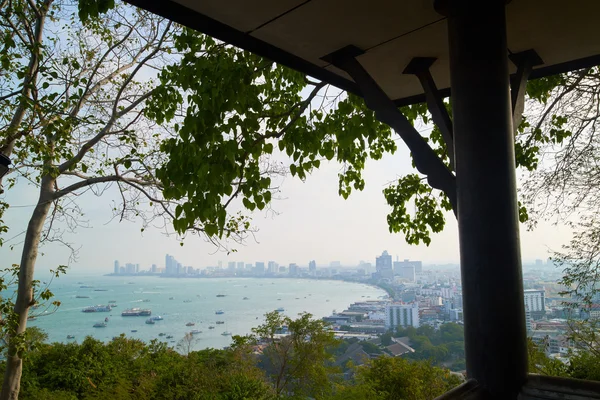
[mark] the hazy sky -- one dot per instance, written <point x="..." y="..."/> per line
<point x="313" y="222"/>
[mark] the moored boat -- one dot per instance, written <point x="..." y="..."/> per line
<point x="190" y="324"/>
<point x="219" y="312"/>
<point x="70" y="336"/>
<point x="150" y="321"/>
<point x="226" y="333"/>
<point x="136" y="312"/>
<point x="100" y="325"/>
<point x="98" y="308"/>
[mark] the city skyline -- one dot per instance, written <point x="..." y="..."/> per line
<point x="308" y="221"/>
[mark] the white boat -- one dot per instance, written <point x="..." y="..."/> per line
<point x="280" y="309"/>
<point x="226" y="333"/>
<point x="195" y="331"/>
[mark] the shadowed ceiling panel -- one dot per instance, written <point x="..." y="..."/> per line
<point x="298" y="33"/>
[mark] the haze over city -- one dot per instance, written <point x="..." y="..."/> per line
<point x="310" y="221"/>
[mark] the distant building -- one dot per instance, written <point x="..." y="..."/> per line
<point x="272" y="267"/>
<point x="399" y="267"/>
<point x="154" y="268"/>
<point x="170" y="265"/>
<point x="231" y="266"/>
<point x="383" y="266"/>
<point x="535" y="303"/>
<point x="312" y="267"/>
<point x="404" y="271"/>
<point x="117" y="267"/>
<point x="293" y="269"/>
<point x="130" y="268"/>
<point x="260" y="267"/>
<point x="240" y="266"/>
<point x="399" y="314"/>
<point x="137" y="268"/>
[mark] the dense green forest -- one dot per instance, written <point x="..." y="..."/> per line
<point x="263" y="365"/>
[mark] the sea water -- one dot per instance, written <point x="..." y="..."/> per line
<point x="188" y="300"/>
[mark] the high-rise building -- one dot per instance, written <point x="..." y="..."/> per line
<point x="137" y="268"/>
<point x="399" y="265"/>
<point x="231" y="266"/>
<point x="260" y="267"/>
<point x="404" y="271"/>
<point x="400" y="314"/>
<point x="293" y="269"/>
<point x="535" y="303"/>
<point x="130" y="268"/>
<point x="312" y="267"/>
<point x="240" y="266"/>
<point x="170" y="265"/>
<point x="272" y="267"/>
<point x="154" y="268"/>
<point x="383" y="266"/>
<point x="117" y="267"/>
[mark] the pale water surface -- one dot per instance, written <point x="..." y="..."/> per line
<point x="194" y="300"/>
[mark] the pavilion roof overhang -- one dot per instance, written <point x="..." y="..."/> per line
<point x="301" y="33"/>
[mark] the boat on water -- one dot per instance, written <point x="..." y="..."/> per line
<point x="161" y="334"/>
<point x="220" y="322"/>
<point x="82" y="297"/>
<point x="137" y="312"/>
<point x="221" y="295"/>
<point x="86" y="287"/>
<point x="98" y="308"/>
<point x="134" y="330"/>
<point x="245" y="298"/>
<point x="211" y="327"/>
<point x="195" y="331"/>
<point x="70" y="336"/>
<point x="150" y="321"/>
<point x="100" y="290"/>
<point x="219" y="312"/>
<point x="226" y="333"/>
<point x="280" y="309"/>
<point x="112" y="302"/>
<point x="31" y="318"/>
<point x="187" y="301"/>
<point x="190" y="324"/>
<point x="171" y="298"/>
<point x="146" y="300"/>
<point x="169" y="336"/>
<point x="100" y="325"/>
<point x="157" y="318"/>
<point x="106" y="319"/>
<point x="131" y="283"/>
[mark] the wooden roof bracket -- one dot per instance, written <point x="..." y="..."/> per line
<point x="419" y="66"/>
<point x="524" y="61"/>
<point x="426" y="160"/>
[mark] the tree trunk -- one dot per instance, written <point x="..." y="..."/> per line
<point x="14" y="363"/>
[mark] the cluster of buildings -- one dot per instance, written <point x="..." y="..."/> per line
<point x="416" y="296"/>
